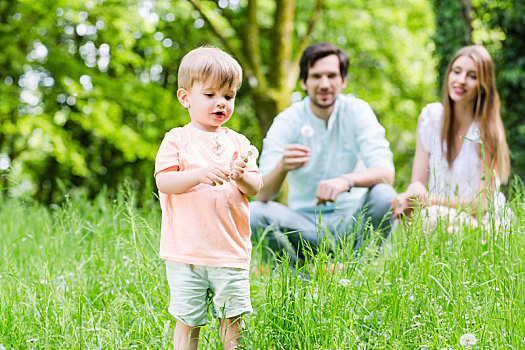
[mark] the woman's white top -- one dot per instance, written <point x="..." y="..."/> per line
<point x="462" y="179"/>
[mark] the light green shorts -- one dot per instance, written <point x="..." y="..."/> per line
<point x="190" y="286"/>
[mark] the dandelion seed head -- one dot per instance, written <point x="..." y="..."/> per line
<point x="468" y="339"/>
<point x="253" y="152"/>
<point x="344" y="282"/>
<point x="307" y="131"/>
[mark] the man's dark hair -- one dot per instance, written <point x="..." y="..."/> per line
<point x="315" y="52"/>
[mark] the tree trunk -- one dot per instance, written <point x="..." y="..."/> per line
<point x="276" y="78"/>
<point x="266" y="108"/>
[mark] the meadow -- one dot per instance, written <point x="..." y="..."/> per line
<point x="86" y="275"/>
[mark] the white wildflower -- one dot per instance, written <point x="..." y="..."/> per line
<point x="32" y="340"/>
<point x="344" y="282"/>
<point x="468" y="339"/>
<point x="2" y="347"/>
<point x="253" y="152"/>
<point x="307" y="131"/>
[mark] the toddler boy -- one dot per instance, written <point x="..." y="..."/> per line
<point x="204" y="173"/>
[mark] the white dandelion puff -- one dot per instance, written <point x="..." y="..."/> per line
<point x="253" y="152"/>
<point x="344" y="282"/>
<point x="468" y="339"/>
<point x="307" y="131"/>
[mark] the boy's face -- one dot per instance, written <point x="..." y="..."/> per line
<point x="209" y="106"/>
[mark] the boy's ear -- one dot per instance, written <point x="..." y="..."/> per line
<point x="182" y="95"/>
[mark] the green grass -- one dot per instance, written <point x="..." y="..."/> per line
<point x="86" y="275"/>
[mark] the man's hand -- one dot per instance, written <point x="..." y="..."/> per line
<point x="328" y="190"/>
<point x="295" y="156"/>
<point x="212" y="175"/>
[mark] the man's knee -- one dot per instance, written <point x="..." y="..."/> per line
<point x="378" y="205"/>
<point x="380" y="196"/>
<point x="257" y="215"/>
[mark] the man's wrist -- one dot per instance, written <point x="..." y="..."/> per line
<point x="281" y="168"/>
<point x="350" y="181"/>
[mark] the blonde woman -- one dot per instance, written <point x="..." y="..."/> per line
<point x="461" y="151"/>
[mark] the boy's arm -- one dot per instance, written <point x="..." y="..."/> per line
<point x="173" y="182"/>
<point x="249" y="183"/>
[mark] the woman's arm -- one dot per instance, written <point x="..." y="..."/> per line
<point x="416" y="191"/>
<point x="419" y="167"/>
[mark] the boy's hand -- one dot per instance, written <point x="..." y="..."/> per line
<point x="213" y="176"/>
<point x="237" y="166"/>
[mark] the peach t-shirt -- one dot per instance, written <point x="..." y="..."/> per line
<point x="207" y="225"/>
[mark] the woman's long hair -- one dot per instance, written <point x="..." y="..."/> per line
<point x="486" y="108"/>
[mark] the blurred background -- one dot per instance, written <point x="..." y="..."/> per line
<point x="87" y="88"/>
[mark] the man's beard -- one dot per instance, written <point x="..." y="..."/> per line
<point x="317" y="104"/>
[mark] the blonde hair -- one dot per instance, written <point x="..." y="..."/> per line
<point x="209" y="65"/>
<point x="486" y="108"/>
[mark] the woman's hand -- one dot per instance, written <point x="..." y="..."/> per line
<point x="417" y="189"/>
<point x="401" y="204"/>
<point x="404" y="203"/>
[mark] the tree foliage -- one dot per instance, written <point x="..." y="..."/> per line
<point x="453" y="30"/>
<point x="85" y="92"/>
<point x="506" y="19"/>
<point x="88" y="87"/>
